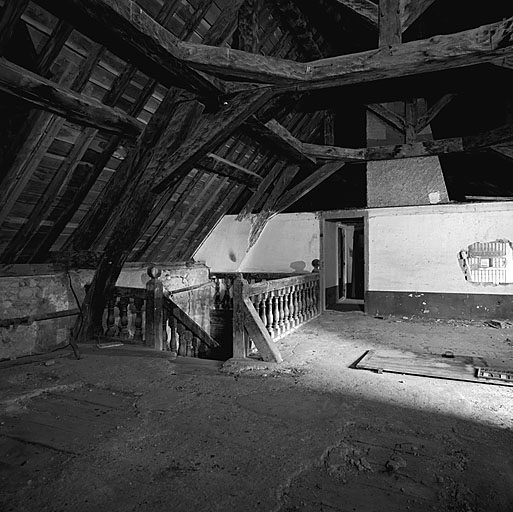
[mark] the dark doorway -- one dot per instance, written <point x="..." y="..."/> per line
<point x="351" y="261"/>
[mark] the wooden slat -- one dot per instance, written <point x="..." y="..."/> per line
<point x="258" y="333"/>
<point x="229" y="169"/>
<point x="279" y="138"/>
<point x="214" y="128"/>
<point x="138" y="39"/>
<point x="246" y="38"/>
<point x="59" y="180"/>
<point x="411" y="10"/>
<point x="190" y="324"/>
<point x="42" y="93"/>
<point x="433" y="111"/>
<point x="365" y="9"/>
<point x="171" y="231"/>
<point x="427" y="365"/>
<point x="126" y="175"/>
<point x="224" y="25"/>
<point x="308" y="184"/>
<point x="391" y="118"/>
<point x="300" y="27"/>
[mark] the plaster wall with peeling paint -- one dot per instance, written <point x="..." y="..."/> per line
<point x="288" y="243"/>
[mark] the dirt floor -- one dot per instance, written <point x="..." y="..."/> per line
<point x="122" y="431"/>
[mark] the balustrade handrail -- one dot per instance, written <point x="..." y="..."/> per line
<point x="278" y="284"/>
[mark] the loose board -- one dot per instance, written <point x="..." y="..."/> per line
<point x="428" y="365"/>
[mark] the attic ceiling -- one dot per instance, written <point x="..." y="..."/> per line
<point x="129" y="128"/>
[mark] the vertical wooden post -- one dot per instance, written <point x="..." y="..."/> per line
<point x="239" y="291"/>
<point x="154" y="309"/>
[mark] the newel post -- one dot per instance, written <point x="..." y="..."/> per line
<point x="154" y="309"/>
<point x="239" y="291"/>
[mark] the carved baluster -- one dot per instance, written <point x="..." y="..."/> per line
<point x="276" y="314"/>
<point x="182" y="345"/>
<point x="286" y="309"/>
<point x="295" y="299"/>
<point x="196" y="342"/>
<point x="261" y="308"/>
<point x="307" y="300"/>
<point x="281" y="312"/>
<point x="203" y="350"/>
<point x="227" y="300"/>
<point x="292" y="322"/>
<point x="111" y="329"/>
<point x="217" y="294"/>
<point x="269" y="312"/>
<point x="123" y="317"/>
<point x="138" y="333"/>
<point x="173" y="341"/>
<point x="188" y="343"/>
<point x="316" y="298"/>
<point x="299" y="293"/>
<point x="165" y="337"/>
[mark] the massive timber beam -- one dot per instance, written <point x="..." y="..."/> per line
<point x="498" y="137"/>
<point x="272" y="134"/>
<point x="128" y="31"/>
<point x="44" y="94"/>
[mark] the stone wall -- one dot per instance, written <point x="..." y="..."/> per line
<point x="43" y="289"/>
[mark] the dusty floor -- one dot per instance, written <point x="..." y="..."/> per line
<point x="125" y="432"/>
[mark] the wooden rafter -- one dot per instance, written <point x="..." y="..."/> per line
<point x="276" y="136"/>
<point x="365" y="9"/>
<point x="42" y="93"/>
<point x="313" y="180"/>
<point x="433" y="111"/>
<point x="497" y="137"/>
<point x="390" y="117"/>
<point x="138" y="39"/>
<point x="389" y="23"/>
<point x="246" y="35"/>
<point x="411" y="10"/>
<point x="185" y="116"/>
<point x="218" y="165"/>
<point x="213" y="129"/>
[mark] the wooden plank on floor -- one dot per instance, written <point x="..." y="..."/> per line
<point x="427" y="365"/>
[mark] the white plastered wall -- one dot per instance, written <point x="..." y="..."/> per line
<point x="416" y="248"/>
<point x="288" y="243"/>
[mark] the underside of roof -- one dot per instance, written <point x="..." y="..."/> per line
<point x="129" y="128"/>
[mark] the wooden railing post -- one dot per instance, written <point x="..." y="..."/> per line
<point x="239" y="291"/>
<point x="154" y="310"/>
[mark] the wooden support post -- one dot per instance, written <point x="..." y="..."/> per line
<point x="239" y="293"/>
<point x="154" y="310"/>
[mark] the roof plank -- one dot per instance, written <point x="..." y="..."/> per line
<point x="42" y="93"/>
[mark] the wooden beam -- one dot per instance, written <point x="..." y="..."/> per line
<point x="258" y="333"/>
<point x="137" y="38"/>
<point x="308" y="184"/>
<point x="42" y="93"/>
<point x="441" y="52"/>
<point x="411" y="10"/>
<point x="224" y="25"/>
<point x="501" y="136"/>
<point x="505" y="151"/>
<point x="185" y="115"/>
<point x="9" y="17"/>
<point x="218" y="165"/>
<point x="365" y="9"/>
<point x="389" y="23"/>
<point x="396" y="121"/>
<point x="433" y="111"/>
<point x="214" y="128"/>
<point x="293" y="18"/>
<point x="246" y="35"/>
<point x="276" y="136"/>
